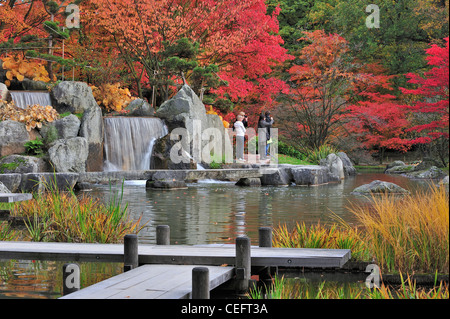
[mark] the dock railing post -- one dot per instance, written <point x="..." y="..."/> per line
<point x="131" y="255"/>
<point x="243" y="264"/>
<point x="71" y="278"/>
<point x="200" y="283"/>
<point x="162" y="235"/>
<point x="265" y="240"/>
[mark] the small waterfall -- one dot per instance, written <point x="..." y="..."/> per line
<point x="129" y="142"/>
<point x="23" y="99"/>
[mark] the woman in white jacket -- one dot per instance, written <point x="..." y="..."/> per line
<point x="240" y="130"/>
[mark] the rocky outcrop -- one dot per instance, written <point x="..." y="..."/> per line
<point x="13" y="137"/>
<point x="39" y="182"/>
<point x="349" y="169"/>
<point x="185" y="116"/>
<point x="139" y="107"/>
<point x="67" y="127"/>
<point x="278" y="176"/>
<point x="309" y="175"/>
<point x="22" y="164"/>
<point x="249" y="182"/>
<point x="4" y="92"/>
<point x="11" y="181"/>
<point x="378" y="186"/>
<point x="335" y="165"/>
<point x="431" y="173"/>
<point x="69" y="155"/>
<point x="77" y="97"/>
<point x="92" y="129"/>
<point x="73" y="97"/>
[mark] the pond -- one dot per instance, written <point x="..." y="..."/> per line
<point x="205" y="213"/>
<point x="217" y="212"/>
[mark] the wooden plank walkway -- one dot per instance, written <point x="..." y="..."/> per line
<point x="12" y="197"/>
<point x="214" y="255"/>
<point x="152" y="282"/>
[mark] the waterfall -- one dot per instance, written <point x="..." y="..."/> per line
<point x="23" y="99"/>
<point x="129" y="142"/>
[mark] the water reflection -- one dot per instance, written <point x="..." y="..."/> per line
<point x="208" y="212"/>
<point x="217" y="212"/>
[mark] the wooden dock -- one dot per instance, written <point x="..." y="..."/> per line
<point x="173" y="272"/>
<point x="12" y="198"/>
<point x="152" y="282"/>
<point x="214" y="255"/>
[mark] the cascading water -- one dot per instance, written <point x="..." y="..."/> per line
<point x="23" y="99"/>
<point x="129" y="142"/>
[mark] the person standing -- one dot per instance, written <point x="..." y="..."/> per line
<point x="240" y="137"/>
<point x="270" y="122"/>
<point x="265" y="123"/>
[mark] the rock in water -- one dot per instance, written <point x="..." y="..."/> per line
<point x="378" y="186"/>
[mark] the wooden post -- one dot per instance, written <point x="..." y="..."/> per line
<point x="71" y="278"/>
<point x="243" y="263"/>
<point x="265" y="237"/>
<point x="265" y="240"/>
<point x="200" y="283"/>
<point x="163" y="235"/>
<point x="131" y="255"/>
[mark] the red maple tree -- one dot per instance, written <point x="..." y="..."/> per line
<point x="432" y="96"/>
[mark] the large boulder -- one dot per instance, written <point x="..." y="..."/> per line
<point x="431" y="173"/>
<point x="278" y="176"/>
<point x="13" y="136"/>
<point x="139" y="107"/>
<point x="11" y="181"/>
<point x="39" y="182"/>
<point x="335" y="166"/>
<point x="378" y="186"/>
<point x="69" y="155"/>
<point x="349" y="169"/>
<point x="67" y="127"/>
<point x="186" y="112"/>
<point x="311" y="175"/>
<point x="249" y="182"/>
<point x="92" y="129"/>
<point x="30" y="85"/>
<point x="4" y="92"/>
<point x="22" y="164"/>
<point x="73" y="97"/>
<point x="77" y="97"/>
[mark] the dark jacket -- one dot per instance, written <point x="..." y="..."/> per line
<point x="266" y="124"/>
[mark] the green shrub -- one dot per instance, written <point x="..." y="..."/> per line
<point x="322" y="152"/>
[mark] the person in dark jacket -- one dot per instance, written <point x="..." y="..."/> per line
<point x="265" y="123"/>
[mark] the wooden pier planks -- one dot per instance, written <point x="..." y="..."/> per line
<point x="152" y="282"/>
<point x="12" y="197"/>
<point x="213" y="255"/>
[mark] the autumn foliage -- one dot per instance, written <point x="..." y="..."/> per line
<point x="33" y="116"/>
<point x="20" y="68"/>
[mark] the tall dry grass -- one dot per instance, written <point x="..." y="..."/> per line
<point x="61" y="216"/>
<point x="335" y="236"/>
<point x="408" y="234"/>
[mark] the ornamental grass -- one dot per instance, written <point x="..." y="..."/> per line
<point x="408" y="234"/>
<point x="61" y="216"/>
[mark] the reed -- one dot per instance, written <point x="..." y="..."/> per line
<point x="319" y="236"/>
<point x="282" y="288"/>
<point x="61" y="216"/>
<point x="408" y="234"/>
